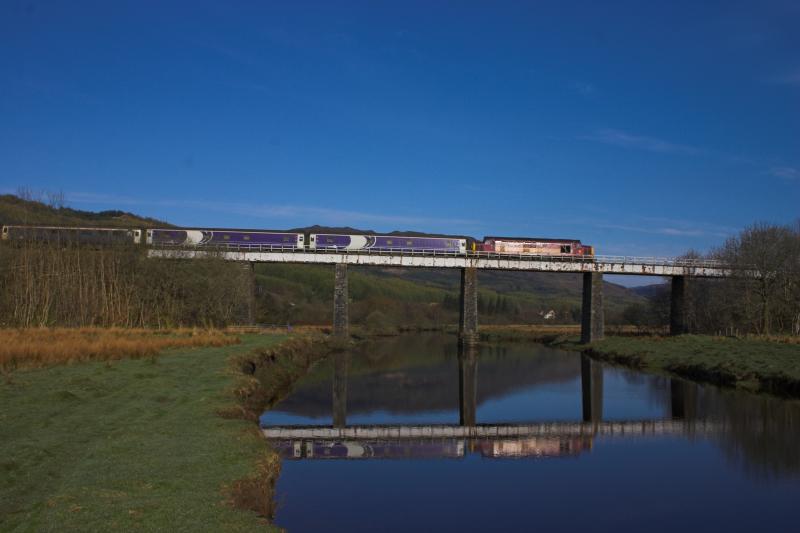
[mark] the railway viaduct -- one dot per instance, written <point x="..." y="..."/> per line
<point x="592" y="322"/>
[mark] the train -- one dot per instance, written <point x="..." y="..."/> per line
<point x="258" y="239"/>
<point x="72" y="234"/>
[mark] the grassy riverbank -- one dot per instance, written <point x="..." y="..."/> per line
<point x="135" y="444"/>
<point x="754" y="364"/>
<point x="758" y="364"/>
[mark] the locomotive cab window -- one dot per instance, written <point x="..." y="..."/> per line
<point x="565" y="248"/>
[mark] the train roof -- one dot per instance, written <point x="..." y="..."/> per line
<point x="395" y="235"/>
<point x="92" y="228"/>
<point x="530" y="239"/>
<point x="249" y="230"/>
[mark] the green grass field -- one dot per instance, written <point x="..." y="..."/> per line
<point x="127" y="445"/>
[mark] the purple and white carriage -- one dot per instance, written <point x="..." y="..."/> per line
<point x="332" y="241"/>
<point x="223" y="238"/>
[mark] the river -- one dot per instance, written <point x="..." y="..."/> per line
<point x="413" y="433"/>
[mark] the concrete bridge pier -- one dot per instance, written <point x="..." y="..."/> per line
<point x="468" y="319"/>
<point x="250" y="304"/>
<point x="339" y="393"/>
<point x="467" y="383"/>
<point x="592" y="326"/>
<point x="591" y="389"/>
<point x="678" y="312"/>
<point x="341" y="324"/>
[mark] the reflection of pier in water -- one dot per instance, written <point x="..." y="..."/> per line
<point x="547" y="439"/>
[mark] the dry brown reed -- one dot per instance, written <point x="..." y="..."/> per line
<point x="41" y="347"/>
<point x="783" y="339"/>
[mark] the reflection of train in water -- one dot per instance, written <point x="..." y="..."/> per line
<point x="362" y="449"/>
<point x="532" y="447"/>
<point x="256" y="239"/>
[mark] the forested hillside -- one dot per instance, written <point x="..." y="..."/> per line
<point x="423" y="297"/>
<point x="48" y="209"/>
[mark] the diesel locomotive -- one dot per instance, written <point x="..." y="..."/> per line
<point x="257" y="239"/>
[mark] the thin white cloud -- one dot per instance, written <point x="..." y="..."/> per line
<point x="661" y="230"/>
<point x="787" y="173"/>
<point x="624" y="139"/>
<point x="791" y="78"/>
<point x="682" y="232"/>
<point x="706" y="228"/>
<point x="583" y="88"/>
<point x="662" y="226"/>
<point x="294" y="214"/>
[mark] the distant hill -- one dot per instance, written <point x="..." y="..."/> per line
<point x="16" y="210"/>
<point x="651" y="291"/>
<point x="415" y="296"/>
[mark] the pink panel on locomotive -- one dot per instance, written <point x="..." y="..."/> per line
<point x="532" y="247"/>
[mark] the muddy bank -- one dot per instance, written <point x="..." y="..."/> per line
<point x="267" y="375"/>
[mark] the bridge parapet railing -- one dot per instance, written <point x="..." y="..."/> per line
<point x="613" y="259"/>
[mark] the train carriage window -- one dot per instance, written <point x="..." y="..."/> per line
<point x="246" y="237"/>
<point x="409" y="243"/>
<point x="329" y="240"/>
<point x="389" y="242"/>
<point x="287" y="239"/>
<point x="226" y="237"/>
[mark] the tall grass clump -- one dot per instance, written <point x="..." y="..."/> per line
<point x="41" y="347"/>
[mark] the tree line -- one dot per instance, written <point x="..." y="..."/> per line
<point x="69" y="284"/>
<point x="761" y="297"/>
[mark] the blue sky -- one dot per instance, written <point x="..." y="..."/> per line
<point x="643" y="129"/>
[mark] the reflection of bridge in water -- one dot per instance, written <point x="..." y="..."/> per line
<point x="541" y="439"/>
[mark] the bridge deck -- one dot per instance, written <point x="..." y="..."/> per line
<point x="482" y="260"/>
<point x="630" y="428"/>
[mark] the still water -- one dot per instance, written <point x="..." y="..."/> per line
<point x="412" y="434"/>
